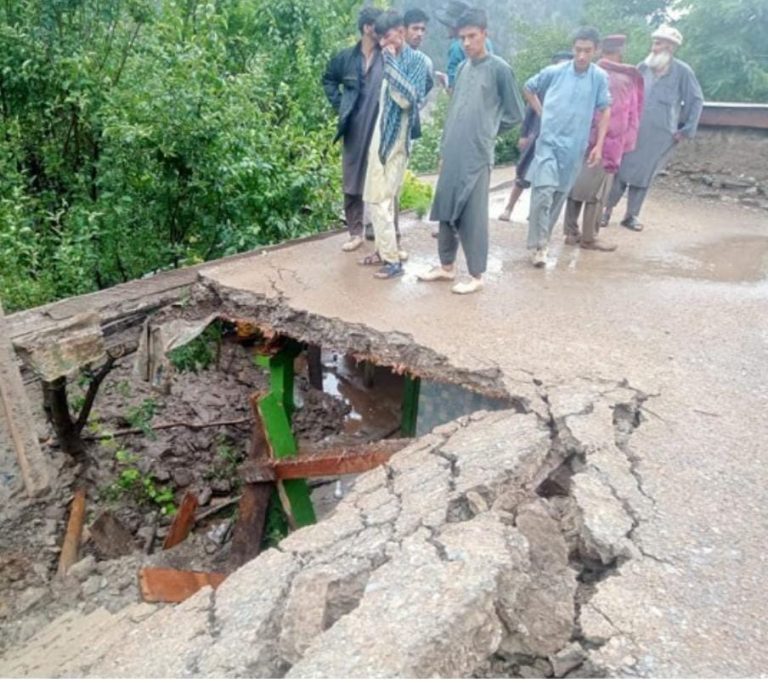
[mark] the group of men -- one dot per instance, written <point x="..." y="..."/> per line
<point x="591" y="131"/>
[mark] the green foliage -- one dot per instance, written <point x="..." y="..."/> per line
<point x="425" y="155"/>
<point x="142" y="489"/>
<point x="726" y="44"/>
<point x="276" y="526"/>
<point x="725" y="40"/>
<point x="140" y="416"/>
<point x="506" y="147"/>
<point x="537" y="45"/>
<point x="141" y="135"/>
<point x="228" y="459"/>
<point x="416" y="195"/>
<point x="200" y="353"/>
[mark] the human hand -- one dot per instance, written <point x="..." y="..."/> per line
<point x="389" y="47"/>
<point x="679" y="136"/>
<point x="595" y="157"/>
<point x="522" y="143"/>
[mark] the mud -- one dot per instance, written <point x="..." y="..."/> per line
<point x="197" y="454"/>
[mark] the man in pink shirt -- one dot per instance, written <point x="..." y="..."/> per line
<point x="594" y="183"/>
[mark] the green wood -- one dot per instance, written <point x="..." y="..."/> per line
<point x="276" y="410"/>
<point x="410" y="405"/>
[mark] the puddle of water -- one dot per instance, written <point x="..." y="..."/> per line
<point x="373" y="412"/>
<point x="377" y="411"/>
<point x="734" y="259"/>
<point x="737" y="259"/>
<point x="441" y="403"/>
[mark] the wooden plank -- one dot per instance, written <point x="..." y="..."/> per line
<point x="337" y="461"/>
<point x="162" y="584"/>
<point x="251" y="520"/>
<point x="18" y="436"/>
<point x="254" y="502"/>
<point x="71" y="547"/>
<point x="183" y="521"/>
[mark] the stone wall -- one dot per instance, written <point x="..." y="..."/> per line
<point x="724" y="163"/>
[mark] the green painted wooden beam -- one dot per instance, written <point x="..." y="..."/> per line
<point x="276" y="409"/>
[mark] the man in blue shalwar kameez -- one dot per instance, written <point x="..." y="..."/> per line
<point x="575" y="89"/>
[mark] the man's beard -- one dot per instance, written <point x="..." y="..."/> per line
<point x="659" y="61"/>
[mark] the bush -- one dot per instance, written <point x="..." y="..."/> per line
<point x="415" y="195"/>
<point x="191" y="130"/>
<point x="425" y="155"/>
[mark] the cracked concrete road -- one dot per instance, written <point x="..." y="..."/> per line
<point x="680" y="312"/>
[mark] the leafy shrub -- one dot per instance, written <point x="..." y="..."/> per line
<point x="425" y="155"/>
<point x="200" y="353"/>
<point x="145" y="135"/>
<point x="415" y="195"/>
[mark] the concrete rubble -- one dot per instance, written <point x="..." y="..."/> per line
<point x="455" y="559"/>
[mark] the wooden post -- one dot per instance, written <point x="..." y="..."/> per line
<point x="315" y="366"/>
<point x="71" y="546"/>
<point x="410" y="415"/>
<point x="183" y="521"/>
<point x="17" y="427"/>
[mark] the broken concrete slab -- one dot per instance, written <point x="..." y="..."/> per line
<point x="318" y="598"/>
<point x="541" y="619"/>
<point x="605" y="523"/>
<point x="428" y="612"/>
<point x="60" y="350"/>
<point x="245" y="618"/>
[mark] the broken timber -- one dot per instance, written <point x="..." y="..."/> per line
<point x="17" y="432"/>
<point x="161" y="584"/>
<point x="333" y="462"/>
<point x="183" y="521"/>
<point x="71" y="546"/>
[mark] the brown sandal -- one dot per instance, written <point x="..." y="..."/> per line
<point x="371" y="260"/>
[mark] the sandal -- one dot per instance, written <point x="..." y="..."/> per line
<point x="371" y="260"/>
<point x="389" y="271"/>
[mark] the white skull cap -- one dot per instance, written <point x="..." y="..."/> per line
<point x="668" y="33"/>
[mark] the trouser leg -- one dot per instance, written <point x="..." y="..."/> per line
<point x="590" y="222"/>
<point x="473" y="227"/>
<point x="572" y="211"/>
<point x="635" y="200"/>
<point x="382" y="217"/>
<point x="558" y="200"/>
<point x="616" y="193"/>
<point x="397" y="218"/>
<point x="353" y="212"/>
<point x="447" y="243"/>
<point x="603" y="198"/>
<point x="538" y="221"/>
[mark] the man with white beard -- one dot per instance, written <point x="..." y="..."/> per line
<point x="673" y="103"/>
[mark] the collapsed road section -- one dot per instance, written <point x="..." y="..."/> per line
<point x="477" y="549"/>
